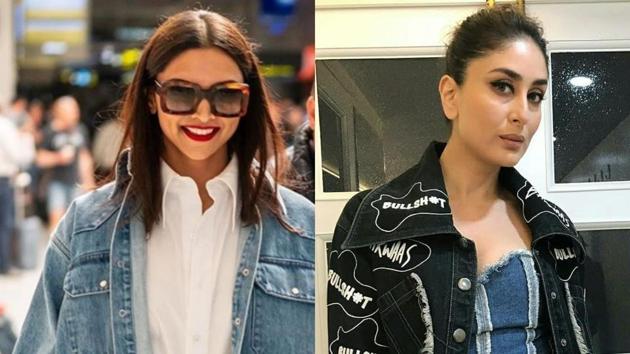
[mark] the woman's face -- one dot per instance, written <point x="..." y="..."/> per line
<point x="200" y="135"/>
<point x="497" y="109"/>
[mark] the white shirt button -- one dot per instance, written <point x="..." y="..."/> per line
<point x="196" y="338"/>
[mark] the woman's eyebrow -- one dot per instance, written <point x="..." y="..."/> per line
<point x="518" y="77"/>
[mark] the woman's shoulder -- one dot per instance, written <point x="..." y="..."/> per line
<point x="296" y="206"/>
<point x="350" y="209"/>
<point x="299" y="211"/>
<point x="89" y="212"/>
<point x="294" y="200"/>
<point x="94" y="207"/>
<point x="297" y="242"/>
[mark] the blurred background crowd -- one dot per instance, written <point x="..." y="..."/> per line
<point x="69" y="63"/>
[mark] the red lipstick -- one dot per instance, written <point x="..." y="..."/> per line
<point x="200" y="133"/>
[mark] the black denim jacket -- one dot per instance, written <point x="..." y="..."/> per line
<point x="401" y="277"/>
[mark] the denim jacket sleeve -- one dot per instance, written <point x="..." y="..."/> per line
<point x="354" y="323"/>
<point x="38" y="334"/>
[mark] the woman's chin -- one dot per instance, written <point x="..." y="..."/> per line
<point x="510" y="160"/>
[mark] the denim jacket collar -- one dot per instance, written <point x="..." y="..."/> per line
<point x="123" y="175"/>
<point x="415" y="204"/>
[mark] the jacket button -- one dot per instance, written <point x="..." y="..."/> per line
<point x="563" y="342"/>
<point x="464" y="284"/>
<point x="459" y="335"/>
<point x="103" y="284"/>
<point x="554" y="295"/>
<point x="463" y="242"/>
<point x="245" y="272"/>
<point x="123" y="313"/>
<point x="295" y="291"/>
<point x="237" y="321"/>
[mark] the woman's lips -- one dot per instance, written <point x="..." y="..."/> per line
<point x="512" y="141"/>
<point x="198" y="133"/>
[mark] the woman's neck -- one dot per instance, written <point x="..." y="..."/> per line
<point x="468" y="179"/>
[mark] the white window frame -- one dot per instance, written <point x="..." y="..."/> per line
<point x="576" y="47"/>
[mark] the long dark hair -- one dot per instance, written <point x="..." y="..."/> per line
<point x="255" y="138"/>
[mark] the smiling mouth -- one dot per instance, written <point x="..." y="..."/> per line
<point x="200" y="133"/>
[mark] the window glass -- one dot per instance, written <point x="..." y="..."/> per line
<point x="591" y="116"/>
<point x="386" y="111"/>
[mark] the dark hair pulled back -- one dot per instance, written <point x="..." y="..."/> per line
<point x="487" y="30"/>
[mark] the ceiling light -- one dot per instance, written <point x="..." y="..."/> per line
<point x="581" y="81"/>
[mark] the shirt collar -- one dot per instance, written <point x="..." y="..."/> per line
<point x="416" y="204"/>
<point x="123" y="175"/>
<point x="228" y="178"/>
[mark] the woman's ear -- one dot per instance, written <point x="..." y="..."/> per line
<point x="152" y="103"/>
<point x="448" y="94"/>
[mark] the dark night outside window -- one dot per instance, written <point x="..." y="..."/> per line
<point x="591" y="116"/>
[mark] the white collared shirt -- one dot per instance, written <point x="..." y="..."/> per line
<point x="192" y="260"/>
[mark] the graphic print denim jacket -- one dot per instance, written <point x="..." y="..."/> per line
<point x="91" y="297"/>
<point x="401" y="277"/>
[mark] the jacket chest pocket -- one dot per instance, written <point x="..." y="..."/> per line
<point x="85" y="310"/>
<point x="406" y="316"/>
<point x="282" y="311"/>
<point x="88" y="275"/>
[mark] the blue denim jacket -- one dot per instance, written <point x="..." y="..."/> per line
<point x="91" y="296"/>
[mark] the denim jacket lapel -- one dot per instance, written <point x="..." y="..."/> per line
<point x="138" y="289"/>
<point x="244" y="284"/>
<point x="120" y="286"/>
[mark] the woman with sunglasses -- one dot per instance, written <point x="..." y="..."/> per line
<point x="193" y="247"/>
<point x="460" y="253"/>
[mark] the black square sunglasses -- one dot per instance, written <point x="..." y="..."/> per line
<point x="227" y="99"/>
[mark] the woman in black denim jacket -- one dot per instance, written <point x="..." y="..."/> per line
<point x="460" y="253"/>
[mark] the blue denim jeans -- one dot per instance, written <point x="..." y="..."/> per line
<point x="7" y="221"/>
<point x="60" y="195"/>
<point x="7" y="336"/>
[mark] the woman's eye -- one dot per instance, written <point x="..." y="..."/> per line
<point x="502" y="87"/>
<point x="535" y="97"/>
